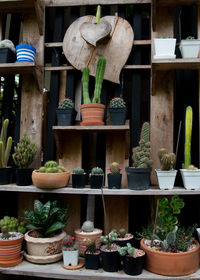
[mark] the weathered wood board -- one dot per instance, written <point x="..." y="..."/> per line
<point x="115" y="48"/>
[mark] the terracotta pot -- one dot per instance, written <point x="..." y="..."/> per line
<point x="50" y="180"/>
<point x="44" y="247"/>
<point x="10" y="251"/>
<point x="171" y="264"/>
<point x="82" y="236"/>
<point x="92" y="114"/>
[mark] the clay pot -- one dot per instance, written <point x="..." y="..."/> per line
<point x="92" y="114"/>
<point x="171" y="264"/>
<point x="50" y="180"/>
<point x="10" y="251"/>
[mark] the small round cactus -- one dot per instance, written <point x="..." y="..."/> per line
<point x="51" y="163"/>
<point x="66" y="104"/>
<point x="121" y="233"/>
<point x="7" y="44"/>
<point x="117" y="102"/>
<point x="51" y="167"/>
<point x="97" y="171"/>
<point x="88" y="226"/>
<point x="78" y="170"/>
<point x="114" y="168"/>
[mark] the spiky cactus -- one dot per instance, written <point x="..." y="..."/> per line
<point x="188" y="136"/>
<point x="117" y="102"/>
<point x="97" y="171"/>
<point x="141" y="153"/>
<point x="25" y="152"/>
<point x="51" y="163"/>
<point x="91" y="245"/>
<point x="51" y="167"/>
<point x="5" y="148"/>
<point x="114" y="168"/>
<point x="122" y="232"/>
<point x="66" y="104"/>
<point x="88" y="226"/>
<point x="85" y="83"/>
<point x="167" y="160"/>
<point x="78" y="170"/>
<point x="101" y="65"/>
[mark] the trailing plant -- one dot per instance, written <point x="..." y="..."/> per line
<point x="167" y="160"/>
<point x="97" y="171"/>
<point x="47" y="219"/>
<point x="87" y="226"/>
<point x="114" y="168"/>
<point x="25" y="152"/>
<point x="67" y="103"/>
<point x="68" y="243"/>
<point x="108" y="239"/>
<point x="78" y="170"/>
<point x="5" y="147"/>
<point x="117" y="102"/>
<point x="51" y="167"/>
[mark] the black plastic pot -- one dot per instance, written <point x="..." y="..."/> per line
<point x="138" y="178"/>
<point x="133" y="266"/>
<point x="5" y="175"/>
<point x="96" y="181"/>
<point x="66" y="116"/>
<point x="24" y="176"/>
<point x="110" y="261"/>
<point x="114" y="181"/>
<point x="7" y="56"/>
<point x="79" y="180"/>
<point x="124" y="241"/>
<point x="92" y="261"/>
<point x="117" y="116"/>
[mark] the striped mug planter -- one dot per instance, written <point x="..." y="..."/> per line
<point x="25" y="52"/>
<point x="92" y="114"/>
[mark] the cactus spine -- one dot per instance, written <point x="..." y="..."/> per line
<point x="101" y="65"/>
<point x="188" y="136"/>
<point x="85" y="83"/>
<point x="5" y="148"/>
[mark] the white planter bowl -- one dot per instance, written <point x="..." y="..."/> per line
<point x="164" y="48"/>
<point x="166" y="178"/>
<point x="189" y="48"/>
<point x="70" y="258"/>
<point x="191" y="179"/>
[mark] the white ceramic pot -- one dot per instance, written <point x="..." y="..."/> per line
<point x="164" y="48"/>
<point x="191" y="179"/>
<point x="166" y="178"/>
<point x="70" y="258"/>
<point x="189" y="48"/>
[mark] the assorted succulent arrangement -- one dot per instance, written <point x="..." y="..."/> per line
<point x="13" y="224"/>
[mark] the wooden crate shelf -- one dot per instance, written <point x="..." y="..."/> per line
<point x="174" y="64"/>
<point x="67" y="68"/>
<point x="23" y="68"/>
<point x="100" y="128"/>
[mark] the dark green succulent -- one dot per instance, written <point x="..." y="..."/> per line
<point x="47" y="219"/>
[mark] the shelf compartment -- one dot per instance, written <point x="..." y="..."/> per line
<point x="174" y="64"/>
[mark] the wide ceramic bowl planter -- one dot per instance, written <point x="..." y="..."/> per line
<point x="189" y="48"/>
<point x="191" y="179"/>
<point x="166" y="178"/>
<point x="171" y="264"/>
<point x="50" y="180"/>
<point x="44" y="250"/>
<point x="92" y="114"/>
<point x="164" y="48"/>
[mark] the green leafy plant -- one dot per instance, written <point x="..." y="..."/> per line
<point x="51" y="167"/>
<point x="167" y="160"/>
<point x="66" y="104"/>
<point x="47" y="219"/>
<point x="5" y="147"/>
<point x="117" y="102"/>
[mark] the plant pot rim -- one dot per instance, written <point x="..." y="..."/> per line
<point x="138" y="168"/>
<point x="125" y="238"/>
<point x="78" y="232"/>
<point x="37" y="172"/>
<point x="97" y="253"/>
<point x="7" y="242"/>
<point x="188" y="170"/>
<point x="35" y="240"/>
<point x="26" y="46"/>
<point x="167" y="171"/>
<point x="92" y="105"/>
<point x="143" y="245"/>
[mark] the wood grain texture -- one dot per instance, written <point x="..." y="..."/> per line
<point x="63" y="3"/>
<point x="115" y="49"/>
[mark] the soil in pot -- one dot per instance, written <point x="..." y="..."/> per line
<point x="110" y="258"/>
<point x="114" y="181"/>
<point x="134" y="266"/>
<point x="24" y="176"/>
<point x="5" y="175"/>
<point x="117" y="116"/>
<point x="96" y="181"/>
<point x="79" y="181"/>
<point x="92" y="261"/>
<point x="138" y="178"/>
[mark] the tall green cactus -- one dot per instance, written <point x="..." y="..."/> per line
<point x="98" y="14"/>
<point x="85" y="83"/>
<point x="101" y="65"/>
<point x="5" y="148"/>
<point x="188" y="136"/>
<point x="145" y="132"/>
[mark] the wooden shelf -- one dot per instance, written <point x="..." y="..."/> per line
<point x="100" y="128"/>
<point x="23" y="68"/>
<point x="123" y="191"/>
<point x="67" y="68"/>
<point x="24" y="6"/>
<point x="173" y="64"/>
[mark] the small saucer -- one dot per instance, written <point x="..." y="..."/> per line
<point x="78" y="266"/>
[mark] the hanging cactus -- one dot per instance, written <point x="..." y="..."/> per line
<point x="101" y="65"/>
<point x="85" y="83"/>
<point x="5" y="148"/>
<point x="167" y="160"/>
<point x="188" y="136"/>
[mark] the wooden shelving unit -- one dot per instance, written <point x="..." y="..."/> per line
<point x="174" y="64"/>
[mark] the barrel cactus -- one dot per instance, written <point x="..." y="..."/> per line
<point x="5" y="147"/>
<point x="97" y="171"/>
<point x="51" y="167"/>
<point x="167" y="160"/>
<point x="117" y="102"/>
<point x="78" y="170"/>
<point x="66" y="104"/>
<point x="114" y="168"/>
<point x="88" y="226"/>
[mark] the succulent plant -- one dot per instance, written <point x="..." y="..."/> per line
<point x="122" y="233"/>
<point x="78" y="170"/>
<point x="167" y="160"/>
<point x="88" y="226"/>
<point x="68" y="243"/>
<point x="117" y="102"/>
<point x="108" y="239"/>
<point x="114" y="168"/>
<point x="51" y="167"/>
<point x="66" y="104"/>
<point x="25" y="152"/>
<point x="91" y="246"/>
<point x="5" y="148"/>
<point x="97" y="171"/>
<point x="128" y="249"/>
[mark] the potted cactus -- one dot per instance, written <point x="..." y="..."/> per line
<point x="114" y="177"/>
<point x="5" y="148"/>
<point x="7" y="51"/>
<point x="79" y="178"/>
<point x="66" y="113"/>
<point x="92" y="112"/>
<point x="96" y="178"/>
<point x="190" y="174"/>
<point x="123" y="237"/>
<point x="139" y="174"/>
<point x="24" y="155"/>
<point x="167" y="174"/>
<point x="189" y="47"/>
<point x="51" y="175"/>
<point x="92" y="255"/>
<point x="117" y="110"/>
<point x="70" y="251"/>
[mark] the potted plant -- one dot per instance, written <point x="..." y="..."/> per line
<point x="110" y="254"/>
<point x="190" y="174"/>
<point x="164" y="48"/>
<point x="46" y="223"/>
<point x="7" y="51"/>
<point x="13" y="224"/>
<point x="66" y="113"/>
<point x="139" y="175"/>
<point x="92" y="254"/>
<point x="114" y="177"/>
<point x="25" y="52"/>
<point x="24" y="155"/>
<point x="189" y="47"/>
<point x="92" y="112"/>
<point x="70" y="251"/>
<point x="117" y="110"/>
<point x="123" y="237"/>
<point x="79" y="178"/>
<point x="133" y="259"/>
<point x="86" y="231"/>
<point x="5" y="148"/>
<point x="170" y="249"/>
<point x="96" y="178"/>
<point x="167" y="174"/>
<point x="51" y="175"/>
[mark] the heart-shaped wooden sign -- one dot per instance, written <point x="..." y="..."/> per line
<point x="115" y="48"/>
<point x="94" y="32"/>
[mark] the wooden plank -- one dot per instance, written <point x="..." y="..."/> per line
<point x="26" y="202"/>
<point x="198" y="36"/>
<point x="126" y="67"/>
<point x="39" y="11"/>
<point x="173" y="64"/>
<point x="176" y="2"/>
